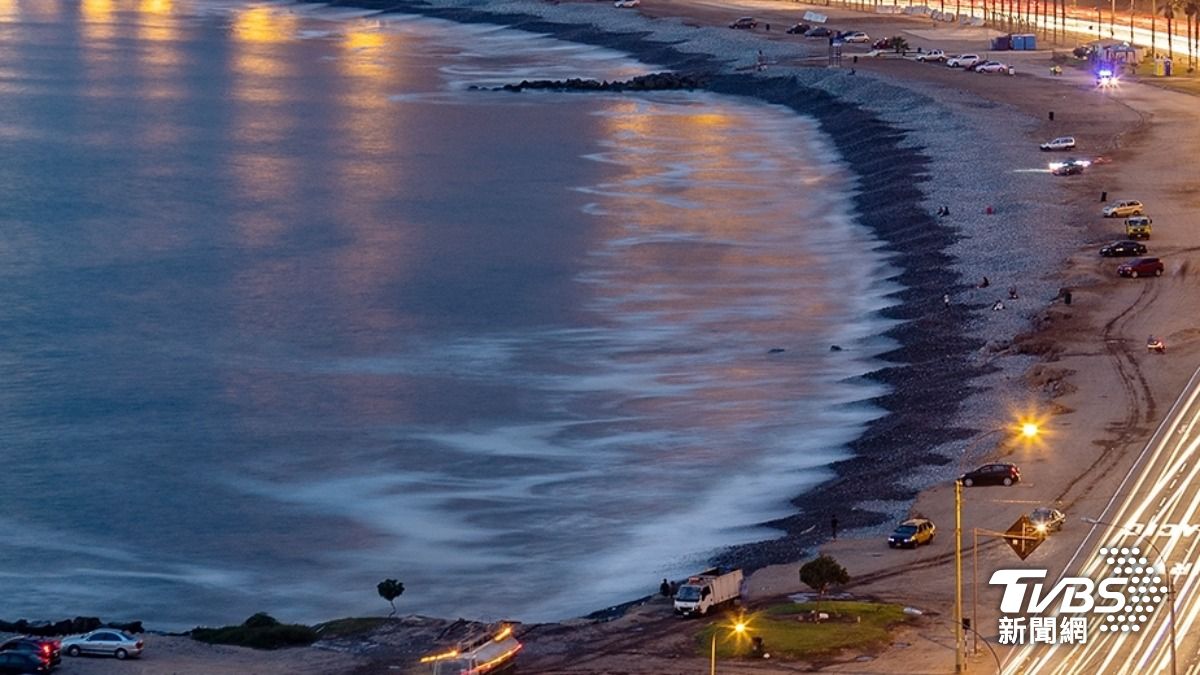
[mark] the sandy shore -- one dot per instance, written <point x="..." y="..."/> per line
<point x="918" y="136"/>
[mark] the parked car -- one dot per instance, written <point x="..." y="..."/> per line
<point x="912" y="533"/>
<point x="994" y="67"/>
<point x="1124" y="209"/>
<point x="1070" y="167"/>
<point x="627" y="3"/>
<point x="932" y="55"/>
<point x="855" y="36"/>
<point x="1123" y="248"/>
<point x="103" y="641"/>
<point x="799" y="29"/>
<point x="992" y="474"/>
<point x="1141" y="267"/>
<point x="882" y="43"/>
<point x="47" y="649"/>
<point x="1138" y="227"/>
<point x="963" y="60"/>
<point x="1060" y="143"/>
<point x="818" y="31"/>
<point x="1047" y="520"/>
<point x="745" y="22"/>
<point x="21" y="663"/>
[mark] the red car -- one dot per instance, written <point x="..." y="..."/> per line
<point x="1141" y="267"/>
<point x="46" y="649"/>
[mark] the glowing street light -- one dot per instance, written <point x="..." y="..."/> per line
<point x="738" y="629"/>
<point x="1028" y="430"/>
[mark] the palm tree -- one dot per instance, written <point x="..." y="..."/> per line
<point x="1190" y="9"/>
<point x="1153" y="26"/>
<point x="1168" y="12"/>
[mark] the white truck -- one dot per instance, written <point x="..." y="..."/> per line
<point x="706" y="590"/>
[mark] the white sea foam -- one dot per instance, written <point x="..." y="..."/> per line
<point x="640" y="428"/>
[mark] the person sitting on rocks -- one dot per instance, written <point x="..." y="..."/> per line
<point x="1012" y="292"/>
<point x="998" y="306"/>
<point x="985" y="283"/>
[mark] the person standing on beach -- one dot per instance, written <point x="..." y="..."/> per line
<point x="665" y="588"/>
<point x="833" y="523"/>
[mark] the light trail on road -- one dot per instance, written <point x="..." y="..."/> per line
<point x="1157" y="506"/>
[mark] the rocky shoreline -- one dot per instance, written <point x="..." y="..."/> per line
<point x="651" y="82"/>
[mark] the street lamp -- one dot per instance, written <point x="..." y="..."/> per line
<point x="738" y="629"/>
<point x="1166" y="573"/>
<point x="1028" y="430"/>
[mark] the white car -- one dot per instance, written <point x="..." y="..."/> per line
<point x="963" y="61"/>
<point x="627" y="3"/>
<point x="932" y="55"/>
<point x="105" y="642"/>
<point x="856" y="36"/>
<point x="1124" y="209"/>
<point x="993" y="67"/>
<point x="1060" y="143"/>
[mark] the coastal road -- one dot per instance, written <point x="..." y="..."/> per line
<point x="1156" y="509"/>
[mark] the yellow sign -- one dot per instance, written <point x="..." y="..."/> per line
<point x="1023" y="537"/>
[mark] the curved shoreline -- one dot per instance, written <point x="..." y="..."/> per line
<point x="888" y="202"/>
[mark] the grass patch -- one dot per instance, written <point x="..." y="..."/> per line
<point x="339" y="628"/>
<point x="260" y="631"/>
<point x="1180" y="80"/>
<point x="851" y="625"/>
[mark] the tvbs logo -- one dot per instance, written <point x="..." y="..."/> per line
<point x="1126" y="595"/>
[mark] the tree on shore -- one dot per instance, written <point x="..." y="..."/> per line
<point x="390" y="589"/>
<point x="822" y="572"/>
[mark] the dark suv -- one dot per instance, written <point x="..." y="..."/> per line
<point x="1141" y="267"/>
<point x="48" y="650"/>
<point x="992" y="474"/>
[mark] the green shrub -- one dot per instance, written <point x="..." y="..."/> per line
<point x="261" y="631"/>
<point x="261" y="620"/>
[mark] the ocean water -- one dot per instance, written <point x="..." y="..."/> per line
<point x="288" y="308"/>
